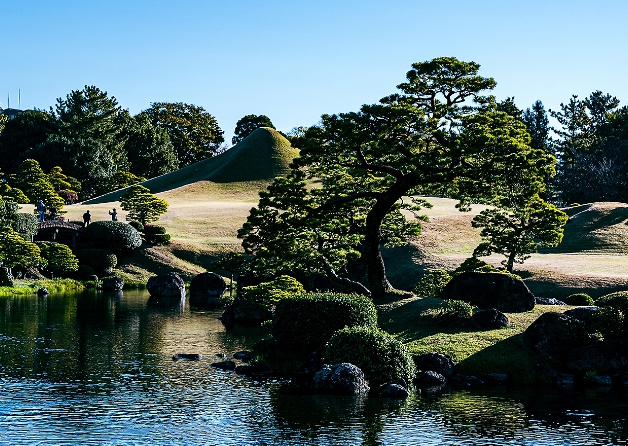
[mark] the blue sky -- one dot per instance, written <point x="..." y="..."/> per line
<point x="294" y="61"/>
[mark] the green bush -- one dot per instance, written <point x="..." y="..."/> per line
<point x="158" y="239"/>
<point x="25" y="224"/>
<point x="453" y="312"/>
<point x="117" y="236"/>
<point x="381" y="357"/>
<point x="101" y="260"/>
<point x="84" y="272"/>
<point x="267" y="294"/>
<point x="579" y="299"/>
<point x="432" y="283"/>
<point x="618" y="300"/>
<point x="154" y="229"/>
<point x="612" y="318"/>
<point x="306" y="322"/>
<point x="139" y="227"/>
<point x="59" y="257"/>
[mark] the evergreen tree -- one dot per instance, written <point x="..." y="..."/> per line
<point x="143" y="206"/>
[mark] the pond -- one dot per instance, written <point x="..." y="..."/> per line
<point x="96" y="368"/>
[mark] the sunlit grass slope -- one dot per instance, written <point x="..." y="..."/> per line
<point x="260" y="157"/>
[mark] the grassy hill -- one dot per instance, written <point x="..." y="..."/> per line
<point x="260" y="157"/>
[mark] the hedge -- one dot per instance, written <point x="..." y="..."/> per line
<point x="117" y="236"/>
<point x="101" y="260"/>
<point x="307" y="322"/>
<point x="381" y="357"/>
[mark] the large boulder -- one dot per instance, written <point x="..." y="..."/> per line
<point x="490" y="290"/>
<point x="553" y="335"/>
<point x="436" y="362"/>
<point x="605" y="357"/>
<point x="342" y="378"/>
<point x="490" y="319"/>
<point x="167" y="285"/>
<point x="207" y="289"/>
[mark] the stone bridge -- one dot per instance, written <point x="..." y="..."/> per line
<point x="59" y="231"/>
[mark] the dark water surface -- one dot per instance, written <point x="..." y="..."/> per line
<point x="97" y="369"/>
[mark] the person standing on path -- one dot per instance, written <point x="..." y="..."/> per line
<point x="86" y="218"/>
<point x="41" y="209"/>
<point x="114" y="215"/>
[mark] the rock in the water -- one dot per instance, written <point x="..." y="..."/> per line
<point x="112" y="283"/>
<point x="187" y="356"/>
<point x="167" y="285"/>
<point x="490" y="319"/>
<point x="598" y="381"/>
<point x="43" y="292"/>
<point x="429" y="378"/>
<point x="496" y="378"/>
<point x="243" y="311"/>
<point x="490" y="290"/>
<point x="243" y="356"/>
<point x="6" y="278"/>
<point x="436" y="362"/>
<point x="224" y="365"/>
<point x="207" y="289"/>
<point x="342" y="378"/>
<point x="552" y="335"/>
<point x="393" y="390"/>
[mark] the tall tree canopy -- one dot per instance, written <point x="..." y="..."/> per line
<point x="438" y="135"/>
<point x="193" y="132"/>
<point x="26" y="131"/>
<point x="248" y="124"/>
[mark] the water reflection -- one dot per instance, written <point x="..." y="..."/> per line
<point x="96" y="368"/>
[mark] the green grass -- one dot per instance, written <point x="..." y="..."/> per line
<point x="28" y="287"/>
<point x="478" y="352"/>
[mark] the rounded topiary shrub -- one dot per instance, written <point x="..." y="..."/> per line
<point x="117" y="236"/>
<point x="59" y="257"/>
<point x="579" y="299"/>
<point x="154" y="229"/>
<point x="618" y="300"/>
<point x="432" y="283"/>
<point x="612" y="318"/>
<point x="101" y="260"/>
<point x="269" y="293"/>
<point x="379" y="355"/>
<point x="307" y="322"/>
<point x="157" y="239"/>
<point x="139" y="227"/>
<point x="84" y="272"/>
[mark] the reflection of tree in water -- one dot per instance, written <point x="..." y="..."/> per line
<point x="311" y="417"/>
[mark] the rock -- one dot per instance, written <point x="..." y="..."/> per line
<point x="564" y="380"/>
<point x="392" y="390"/>
<point x="224" y="365"/>
<point x="548" y="301"/>
<point x="342" y="378"/>
<point x="243" y="356"/>
<point x="598" y="381"/>
<point x="605" y="357"/>
<point x="490" y="290"/>
<point x="206" y="289"/>
<point x="187" y="356"/>
<point x="496" y="378"/>
<point x="112" y="283"/>
<point x="167" y="285"/>
<point x="429" y="378"/>
<point x="43" y="292"/>
<point x="6" y="278"/>
<point x="583" y="314"/>
<point x="552" y="335"/>
<point x="490" y="319"/>
<point x="436" y="362"/>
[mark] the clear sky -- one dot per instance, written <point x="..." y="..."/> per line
<point x="295" y="60"/>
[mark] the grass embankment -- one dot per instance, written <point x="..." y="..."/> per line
<point x="28" y="287"/>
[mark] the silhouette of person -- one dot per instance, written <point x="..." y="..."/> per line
<point x="41" y="209"/>
<point x="53" y="212"/>
<point x="86" y="218"/>
<point x="114" y="215"/>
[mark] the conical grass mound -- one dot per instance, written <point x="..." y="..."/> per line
<point x="261" y="156"/>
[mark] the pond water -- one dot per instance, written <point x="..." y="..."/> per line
<point x="97" y="368"/>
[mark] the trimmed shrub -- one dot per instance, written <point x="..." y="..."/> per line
<point x="117" y="236"/>
<point x="158" y="239"/>
<point x="381" y="357"/>
<point x="59" y="257"/>
<point x="307" y="322"/>
<point x="432" y="283"/>
<point x="154" y="229"/>
<point x="139" y="227"/>
<point x="267" y="294"/>
<point x="612" y="318"/>
<point x="84" y="272"/>
<point x="25" y="224"/>
<point x="101" y="260"/>
<point x="453" y="312"/>
<point x="618" y="300"/>
<point x="579" y="299"/>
